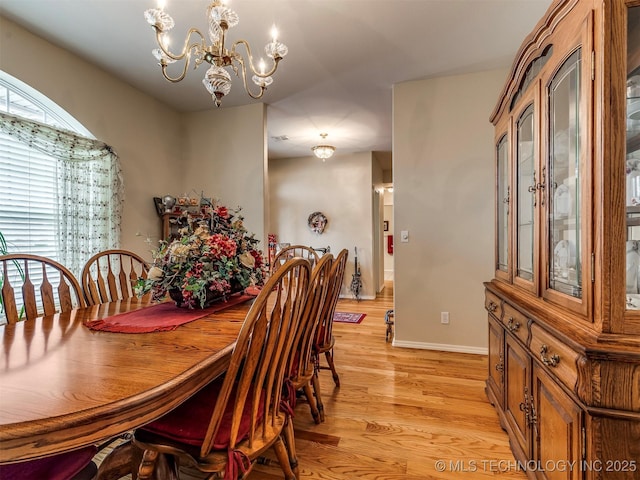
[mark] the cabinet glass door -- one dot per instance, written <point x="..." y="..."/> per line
<point x="526" y="185"/>
<point x="633" y="160"/>
<point x="564" y="227"/>
<point x="502" y="233"/>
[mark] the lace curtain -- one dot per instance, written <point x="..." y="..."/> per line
<point x="89" y="186"/>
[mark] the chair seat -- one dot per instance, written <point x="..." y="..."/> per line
<point x="188" y="423"/>
<point x="64" y="466"/>
<point x="303" y="377"/>
<point x="216" y="459"/>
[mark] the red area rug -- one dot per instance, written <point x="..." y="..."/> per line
<point x="347" y="317"/>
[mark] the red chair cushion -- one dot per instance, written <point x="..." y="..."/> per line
<point x="59" y="467"/>
<point x="188" y="422"/>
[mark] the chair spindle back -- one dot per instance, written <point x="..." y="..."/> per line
<point x="110" y="275"/>
<point x="291" y="251"/>
<point x="46" y="287"/>
<point x="258" y="361"/>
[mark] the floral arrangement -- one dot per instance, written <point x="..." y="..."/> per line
<point x="212" y="257"/>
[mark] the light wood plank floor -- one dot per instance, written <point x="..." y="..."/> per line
<point x="398" y="412"/>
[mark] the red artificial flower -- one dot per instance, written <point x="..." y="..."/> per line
<point x="255" y="254"/>
<point x="221" y="246"/>
<point x="222" y="212"/>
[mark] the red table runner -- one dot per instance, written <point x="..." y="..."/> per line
<point x="161" y="317"/>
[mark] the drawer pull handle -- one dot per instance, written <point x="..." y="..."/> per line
<point x="550" y="361"/>
<point x="524" y="407"/>
<point x="492" y="307"/>
<point x="512" y="325"/>
<point x="528" y="409"/>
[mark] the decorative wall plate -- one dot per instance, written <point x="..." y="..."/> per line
<point x="317" y="222"/>
<point x="562" y="202"/>
<point x="564" y="256"/>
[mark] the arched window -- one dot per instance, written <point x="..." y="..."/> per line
<point x="60" y="188"/>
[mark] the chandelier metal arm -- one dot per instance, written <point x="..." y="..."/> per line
<point x="195" y="49"/>
<point x="243" y="71"/>
<point x="186" y="48"/>
<point x="177" y="79"/>
<point x="236" y="55"/>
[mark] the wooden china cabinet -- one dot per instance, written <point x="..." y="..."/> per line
<point x="564" y="304"/>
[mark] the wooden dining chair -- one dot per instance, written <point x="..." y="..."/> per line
<point x="324" y="339"/>
<point x="294" y="251"/>
<point x="45" y="287"/>
<point x="224" y="428"/>
<point x="111" y="275"/>
<point x="301" y="365"/>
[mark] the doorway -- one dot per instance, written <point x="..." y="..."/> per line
<point x="387" y="244"/>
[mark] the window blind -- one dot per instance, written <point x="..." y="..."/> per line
<point x="28" y="199"/>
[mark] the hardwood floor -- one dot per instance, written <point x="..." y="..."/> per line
<point x="398" y="412"/>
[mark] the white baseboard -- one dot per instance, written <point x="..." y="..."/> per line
<point x="441" y="346"/>
<point x="362" y="297"/>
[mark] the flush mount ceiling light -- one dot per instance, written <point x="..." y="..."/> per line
<point x="323" y="151"/>
<point x="216" y="80"/>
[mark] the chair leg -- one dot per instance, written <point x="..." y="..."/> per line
<point x="155" y="465"/>
<point x="122" y="460"/>
<point x="290" y="443"/>
<point x="329" y="356"/>
<point x="283" y="458"/>
<point x="315" y="380"/>
<point x="308" y="392"/>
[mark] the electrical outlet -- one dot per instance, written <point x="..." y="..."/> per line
<point x="444" y="318"/>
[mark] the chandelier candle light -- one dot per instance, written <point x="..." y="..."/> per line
<point x="217" y="80"/>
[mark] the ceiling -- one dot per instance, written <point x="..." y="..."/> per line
<point x="344" y="55"/>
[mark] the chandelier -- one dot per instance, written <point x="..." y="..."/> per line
<point x="323" y="151"/>
<point x="216" y="80"/>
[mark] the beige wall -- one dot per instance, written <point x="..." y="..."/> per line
<point x="225" y="157"/>
<point x="341" y="188"/>
<point x="146" y="134"/>
<point x="443" y="195"/>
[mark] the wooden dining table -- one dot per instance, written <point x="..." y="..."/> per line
<point x="64" y="386"/>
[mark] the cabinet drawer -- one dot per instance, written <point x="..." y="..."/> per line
<point x="516" y="323"/>
<point x="560" y="358"/>
<point x="493" y="304"/>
